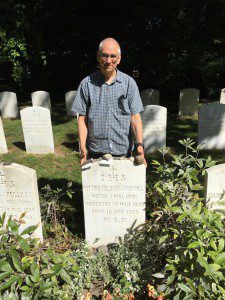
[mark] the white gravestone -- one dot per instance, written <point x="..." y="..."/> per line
<point x="114" y="199"/>
<point x="189" y="99"/>
<point x="41" y="98"/>
<point x="19" y="194"/>
<point x="3" y="146"/>
<point x="37" y="130"/>
<point x="215" y="187"/>
<point x="8" y="105"/>
<point x="222" y="96"/>
<point x="150" y="97"/>
<point x="211" y="126"/>
<point x="154" y="120"/>
<point x="69" y="97"/>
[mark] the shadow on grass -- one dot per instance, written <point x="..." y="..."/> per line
<point x="20" y="145"/>
<point x="59" y="115"/>
<point x="74" y="218"/>
<point x="72" y="142"/>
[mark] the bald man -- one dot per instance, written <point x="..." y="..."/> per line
<point x="109" y="105"/>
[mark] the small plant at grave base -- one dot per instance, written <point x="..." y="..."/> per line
<point x="55" y="210"/>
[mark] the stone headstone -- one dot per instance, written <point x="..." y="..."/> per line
<point x="222" y="96"/>
<point x="211" y="126"/>
<point x="114" y="199"/>
<point x="69" y="96"/>
<point x="154" y="120"/>
<point x="215" y="187"/>
<point x="8" y="105"/>
<point x="19" y="194"/>
<point x="3" y="146"/>
<point x="41" y="99"/>
<point x="189" y="99"/>
<point x="150" y="97"/>
<point x="37" y="130"/>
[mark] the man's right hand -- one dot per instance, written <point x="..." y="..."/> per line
<point x="83" y="156"/>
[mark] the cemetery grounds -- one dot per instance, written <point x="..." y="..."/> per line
<point x="177" y="254"/>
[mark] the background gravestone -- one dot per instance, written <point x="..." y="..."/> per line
<point x="8" y="105"/>
<point x="215" y="187"/>
<point x="69" y="97"/>
<point x="150" y="97"/>
<point x="222" y="96"/>
<point x="189" y="99"/>
<point x="37" y="130"/>
<point x="154" y="119"/>
<point x="19" y="193"/>
<point x="211" y="126"/>
<point x="114" y="199"/>
<point x="3" y="145"/>
<point x="41" y="98"/>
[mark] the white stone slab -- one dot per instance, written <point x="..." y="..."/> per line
<point x="211" y="126"/>
<point x="37" y="130"/>
<point x="222" y="96"/>
<point x="69" y="97"/>
<point x="114" y="199"/>
<point x="154" y="120"/>
<point x="215" y="188"/>
<point x="189" y="99"/>
<point x="41" y="99"/>
<point x="150" y="97"/>
<point x="19" y="194"/>
<point x="3" y="145"/>
<point x="8" y="105"/>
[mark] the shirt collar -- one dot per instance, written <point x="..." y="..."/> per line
<point x="118" y="77"/>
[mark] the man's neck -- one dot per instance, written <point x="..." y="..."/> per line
<point x="109" y="76"/>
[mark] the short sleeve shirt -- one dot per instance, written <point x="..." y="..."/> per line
<point x="109" y="108"/>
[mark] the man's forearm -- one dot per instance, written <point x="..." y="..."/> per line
<point x="136" y="126"/>
<point x="82" y="132"/>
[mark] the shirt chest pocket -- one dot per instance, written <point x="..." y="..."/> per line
<point x="122" y="105"/>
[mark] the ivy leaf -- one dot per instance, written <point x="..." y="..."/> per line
<point x="23" y="244"/>
<point x="16" y="260"/>
<point x="9" y="282"/>
<point x="29" y="229"/>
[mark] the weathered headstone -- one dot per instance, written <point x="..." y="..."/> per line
<point x="211" y="126"/>
<point x="41" y="99"/>
<point x="19" y="194"/>
<point x="222" y="96"/>
<point x="3" y="145"/>
<point x="215" y="187"/>
<point x="189" y="99"/>
<point x="69" y="96"/>
<point x="154" y="119"/>
<point x="37" y="130"/>
<point x="8" y="105"/>
<point x="114" y="199"/>
<point x="150" y="97"/>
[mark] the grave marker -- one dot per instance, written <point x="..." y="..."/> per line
<point x="19" y="193"/>
<point x="215" y="187"/>
<point x="211" y="126"/>
<point x="41" y="99"/>
<point x="154" y="119"/>
<point x="222" y="96"/>
<point x="3" y="146"/>
<point x="69" y="96"/>
<point x="8" y="105"/>
<point x="37" y="130"/>
<point x="189" y="99"/>
<point x="150" y="97"/>
<point x="114" y="199"/>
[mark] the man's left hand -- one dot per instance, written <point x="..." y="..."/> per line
<point x="140" y="151"/>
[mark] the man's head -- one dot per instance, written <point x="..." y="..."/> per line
<point x="109" y="55"/>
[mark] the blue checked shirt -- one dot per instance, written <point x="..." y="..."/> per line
<point x="109" y="109"/>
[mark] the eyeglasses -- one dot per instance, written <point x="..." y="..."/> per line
<point x="105" y="56"/>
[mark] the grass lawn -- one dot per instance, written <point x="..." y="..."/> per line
<point x="60" y="168"/>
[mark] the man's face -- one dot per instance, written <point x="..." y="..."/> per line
<point x="109" y="57"/>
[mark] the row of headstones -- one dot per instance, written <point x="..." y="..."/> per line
<point x="38" y="136"/>
<point x="37" y="131"/>
<point x="113" y="196"/>
<point x="9" y="105"/>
